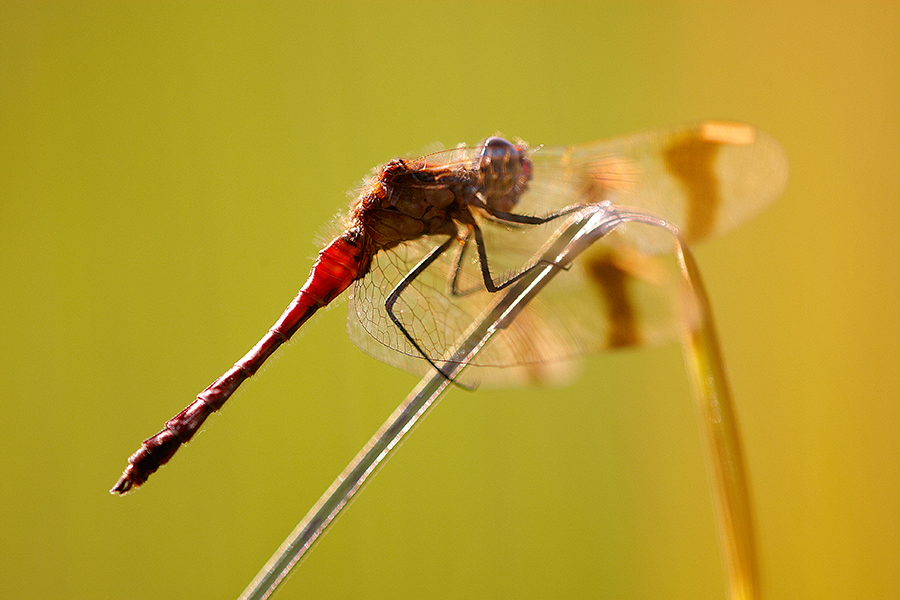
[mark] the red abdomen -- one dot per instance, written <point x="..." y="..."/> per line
<point x="342" y="262"/>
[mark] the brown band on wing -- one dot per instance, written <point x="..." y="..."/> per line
<point x="605" y="174"/>
<point x="691" y="159"/>
<point x="612" y="282"/>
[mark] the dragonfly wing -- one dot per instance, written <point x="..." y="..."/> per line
<point x="438" y="318"/>
<point x="613" y="296"/>
<point x="704" y="179"/>
<point x="425" y="308"/>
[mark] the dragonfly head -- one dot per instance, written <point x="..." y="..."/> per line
<point x="504" y="172"/>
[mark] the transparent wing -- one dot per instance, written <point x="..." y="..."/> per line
<point x="425" y="308"/>
<point x="705" y="179"/>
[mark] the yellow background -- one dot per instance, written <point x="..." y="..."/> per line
<point x="167" y="170"/>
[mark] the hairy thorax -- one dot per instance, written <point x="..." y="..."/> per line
<point x="407" y="201"/>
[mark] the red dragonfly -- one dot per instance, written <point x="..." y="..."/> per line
<point x="407" y="245"/>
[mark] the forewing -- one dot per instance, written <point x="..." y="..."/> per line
<point x="704" y="179"/>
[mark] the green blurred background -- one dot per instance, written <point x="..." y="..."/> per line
<point x="167" y="170"/>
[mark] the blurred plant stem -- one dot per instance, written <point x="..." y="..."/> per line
<point x="719" y="425"/>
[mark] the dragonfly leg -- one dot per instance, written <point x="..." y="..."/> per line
<point x="455" y="289"/>
<point x="519" y="220"/>
<point x="529" y="220"/>
<point x="404" y="283"/>
<point x="489" y="284"/>
<point x="486" y="271"/>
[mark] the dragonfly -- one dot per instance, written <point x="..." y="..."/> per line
<point x="429" y="241"/>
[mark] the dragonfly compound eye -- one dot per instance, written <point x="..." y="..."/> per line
<point x="504" y="172"/>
